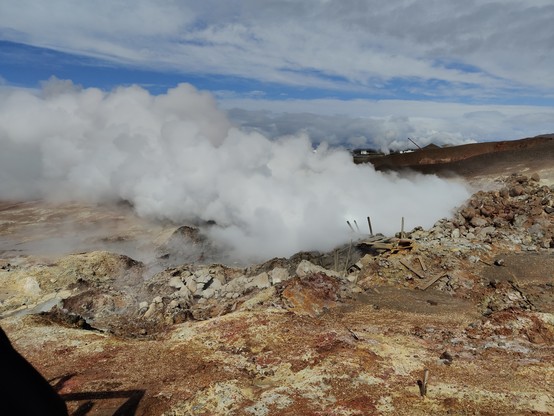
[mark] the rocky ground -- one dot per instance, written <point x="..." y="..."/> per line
<point x="350" y="332"/>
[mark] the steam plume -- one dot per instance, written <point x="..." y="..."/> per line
<point x="176" y="156"/>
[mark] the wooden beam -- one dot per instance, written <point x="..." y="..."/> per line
<point x="410" y="268"/>
<point x="431" y="281"/>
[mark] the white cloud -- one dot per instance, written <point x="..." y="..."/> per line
<point x="386" y="124"/>
<point x="331" y="44"/>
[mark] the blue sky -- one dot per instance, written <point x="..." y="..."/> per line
<point x="424" y="68"/>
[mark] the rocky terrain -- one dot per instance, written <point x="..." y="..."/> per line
<point x="469" y="303"/>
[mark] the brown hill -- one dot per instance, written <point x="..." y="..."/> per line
<point x="474" y="160"/>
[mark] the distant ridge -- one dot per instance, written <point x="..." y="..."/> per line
<point x="487" y="158"/>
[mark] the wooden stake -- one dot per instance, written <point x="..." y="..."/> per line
<point x="423" y="383"/>
<point x="356" y="224"/>
<point x="431" y="281"/>
<point x="423" y="267"/>
<point x="410" y="268"/>
<point x="402" y="228"/>
<point x="370" y="229"/>
<point x="350" y="225"/>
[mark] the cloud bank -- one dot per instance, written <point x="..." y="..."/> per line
<point x="386" y="125"/>
<point x="477" y="49"/>
<point x="356" y="74"/>
<point x="176" y="156"/>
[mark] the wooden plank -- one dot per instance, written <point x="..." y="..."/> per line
<point x="431" y="281"/>
<point x="423" y="267"/>
<point x="486" y="262"/>
<point x="410" y="268"/>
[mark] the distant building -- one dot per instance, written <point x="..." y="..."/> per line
<point x="366" y="152"/>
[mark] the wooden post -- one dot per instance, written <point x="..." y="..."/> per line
<point x="431" y="281"/>
<point x="423" y="267"/>
<point x="356" y="224"/>
<point x="350" y="225"/>
<point x="423" y="383"/>
<point x="370" y="229"/>
<point x="402" y="228"/>
<point x="410" y="268"/>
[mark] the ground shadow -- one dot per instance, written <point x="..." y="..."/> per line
<point x="90" y="398"/>
<point x="128" y="408"/>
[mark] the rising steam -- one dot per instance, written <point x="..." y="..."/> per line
<point x="176" y="156"/>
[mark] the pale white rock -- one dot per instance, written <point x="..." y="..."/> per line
<point x="31" y="286"/>
<point x="236" y="285"/>
<point x="260" y="281"/>
<point x="352" y="278"/>
<point x="216" y="284"/>
<point x="208" y="293"/>
<point x="263" y="296"/>
<point x="184" y="292"/>
<point x="191" y="285"/>
<point x="366" y="260"/>
<point x="151" y="310"/>
<point x="306" y="268"/>
<point x="218" y="274"/>
<point x="202" y="276"/>
<point x="278" y="275"/>
<point x="157" y="299"/>
<point x="176" y="282"/>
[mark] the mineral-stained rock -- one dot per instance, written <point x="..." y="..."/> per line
<point x="311" y="295"/>
<point x="265" y="295"/>
<point x="305" y="268"/>
<point x="261" y="281"/>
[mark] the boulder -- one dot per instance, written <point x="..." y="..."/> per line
<point x="306" y="268"/>
<point x="260" y="281"/>
<point x="278" y="275"/>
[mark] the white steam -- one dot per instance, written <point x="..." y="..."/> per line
<point x="176" y="156"/>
